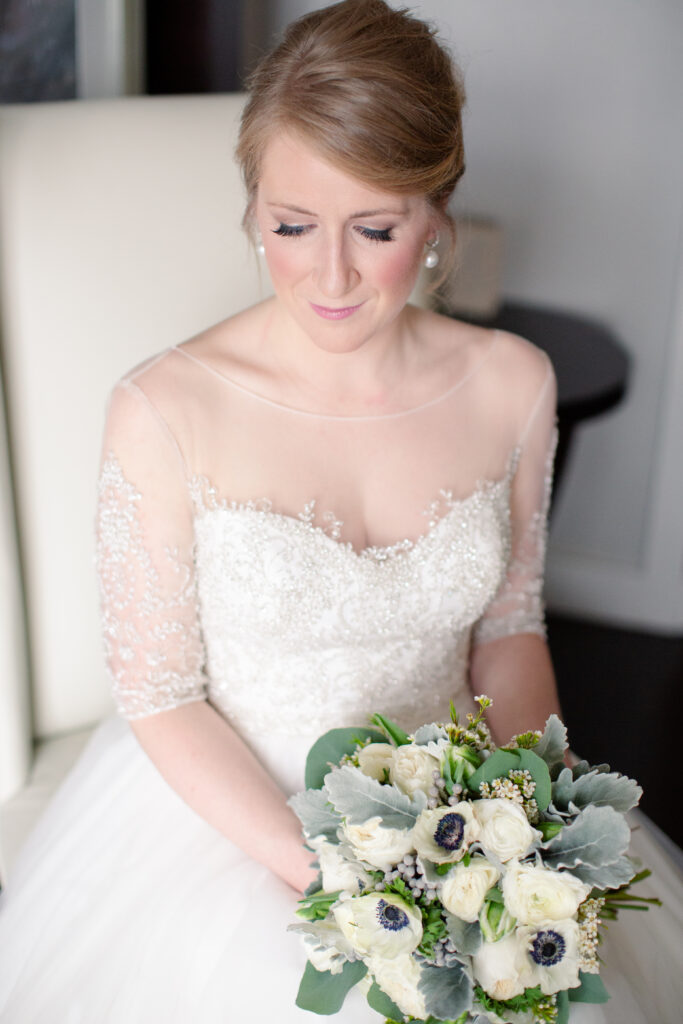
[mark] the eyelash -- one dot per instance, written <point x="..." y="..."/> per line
<point x="297" y="230"/>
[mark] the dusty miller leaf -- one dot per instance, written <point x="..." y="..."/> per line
<point x="430" y="734"/>
<point x="553" y="742"/>
<point x="466" y="935"/>
<point x="359" y="797"/>
<point x="447" y="991"/>
<point x="598" y="788"/>
<point x="316" y="814"/>
<point x="606" y="876"/>
<point x="597" y="837"/>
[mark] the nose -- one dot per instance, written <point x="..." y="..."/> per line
<point x="336" y="273"/>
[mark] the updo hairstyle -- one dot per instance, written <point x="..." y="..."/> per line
<point x="372" y="91"/>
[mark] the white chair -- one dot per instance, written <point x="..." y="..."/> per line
<point x="120" y="236"/>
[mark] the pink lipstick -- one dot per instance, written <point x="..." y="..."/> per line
<point x="334" y="314"/>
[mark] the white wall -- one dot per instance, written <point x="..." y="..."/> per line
<point x="573" y="140"/>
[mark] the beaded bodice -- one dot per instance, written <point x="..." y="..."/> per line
<point x="279" y="620"/>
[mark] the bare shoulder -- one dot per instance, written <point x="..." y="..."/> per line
<point x="230" y="346"/>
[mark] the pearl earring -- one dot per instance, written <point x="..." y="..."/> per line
<point x="260" y="247"/>
<point x="431" y="258"/>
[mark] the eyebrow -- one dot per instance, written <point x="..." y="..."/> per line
<point x="354" y="216"/>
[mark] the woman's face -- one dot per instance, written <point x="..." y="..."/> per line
<point x="343" y="257"/>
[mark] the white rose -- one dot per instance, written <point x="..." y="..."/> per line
<point x="381" y="847"/>
<point x="464" y="888"/>
<point x="533" y="894"/>
<point x="379" y="924"/>
<point x="552" y="954"/>
<point x="399" y="979"/>
<point x="442" y="834"/>
<point x="505" y="828"/>
<point x="375" y="760"/>
<point x="502" y="968"/>
<point x="412" y="768"/>
<point x="340" y="872"/>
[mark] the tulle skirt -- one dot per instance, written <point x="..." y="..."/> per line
<point x="126" y="907"/>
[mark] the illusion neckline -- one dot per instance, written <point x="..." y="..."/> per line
<point x="354" y="418"/>
<point x="200" y="486"/>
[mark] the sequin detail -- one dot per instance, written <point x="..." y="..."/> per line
<point x="152" y="639"/>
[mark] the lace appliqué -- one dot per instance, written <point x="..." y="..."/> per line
<point x="152" y="639"/>
<point x="518" y="607"/>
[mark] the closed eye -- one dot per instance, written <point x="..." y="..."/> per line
<point x="291" y="230"/>
<point x="376" y="234"/>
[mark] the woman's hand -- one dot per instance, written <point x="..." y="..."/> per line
<point x="215" y="772"/>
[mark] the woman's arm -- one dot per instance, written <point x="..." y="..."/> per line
<point x="218" y="776"/>
<point x="516" y="672"/>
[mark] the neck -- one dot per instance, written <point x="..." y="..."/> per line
<point x="366" y="379"/>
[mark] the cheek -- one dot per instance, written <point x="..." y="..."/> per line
<point x="284" y="262"/>
<point x="399" y="268"/>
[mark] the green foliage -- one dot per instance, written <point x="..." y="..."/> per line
<point x="391" y="730"/>
<point x="592" y="847"/>
<point x="316" y="906"/>
<point x="380" y="1001"/>
<point x="433" y="929"/>
<point x="316" y="813"/>
<point x="553" y="742"/>
<point x="531" y="1000"/>
<point x="549" y="829"/>
<point x="359" y="797"/>
<point x="447" y="991"/>
<point x="323" y="992"/>
<point x="538" y="770"/>
<point x="562" y="1005"/>
<point x="624" y="899"/>
<point x="591" y="990"/>
<point x="399" y="888"/>
<point x="595" y="788"/>
<point x="495" y="767"/>
<point x="331" y="748"/>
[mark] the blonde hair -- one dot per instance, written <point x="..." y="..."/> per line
<point x="372" y="90"/>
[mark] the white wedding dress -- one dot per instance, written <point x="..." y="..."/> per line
<point x="240" y="563"/>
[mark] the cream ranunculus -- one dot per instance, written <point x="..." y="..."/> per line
<point x="535" y="894"/>
<point x="465" y="887"/>
<point x="380" y="847"/>
<point x="552" y="954"/>
<point x="399" y="979"/>
<point x="340" y="872"/>
<point x="375" y="760"/>
<point x="442" y="834"/>
<point x="412" y="768"/>
<point x="379" y="924"/>
<point x="502" y="968"/>
<point x="505" y="828"/>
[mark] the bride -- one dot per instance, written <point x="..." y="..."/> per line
<point x="329" y="504"/>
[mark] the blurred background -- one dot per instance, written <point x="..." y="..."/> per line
<point x="575" y="156"/>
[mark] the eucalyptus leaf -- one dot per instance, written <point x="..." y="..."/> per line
<point x="591" y="990"/>
<point x="430" y="734"/>
<point x="316" y="814"/>
<point x="466" y="935"/>
<point x="562" y="1005"/>
<point x="538" y="769"/>
<point x="598" y="788"/>
<point x="359" y="797"/>
<point x="380" y="1001"/>
<point x="323" y="992"/>
<point x="447" y="991"/>
<point x="597" y="837"/>
<point x="331" y="747"/>
<point x="553" y="742"/>
<point x="495" y="767"/>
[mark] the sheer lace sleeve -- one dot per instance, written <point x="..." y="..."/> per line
<point x="518" y="604"/>
<point x="152" y="637"/>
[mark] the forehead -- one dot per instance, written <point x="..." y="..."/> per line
<point x="294" y="173"/>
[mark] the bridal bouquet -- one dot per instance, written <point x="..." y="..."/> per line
<point x="458" y="882"/>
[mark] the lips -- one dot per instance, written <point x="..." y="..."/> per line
<point x="334" y="313"/>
